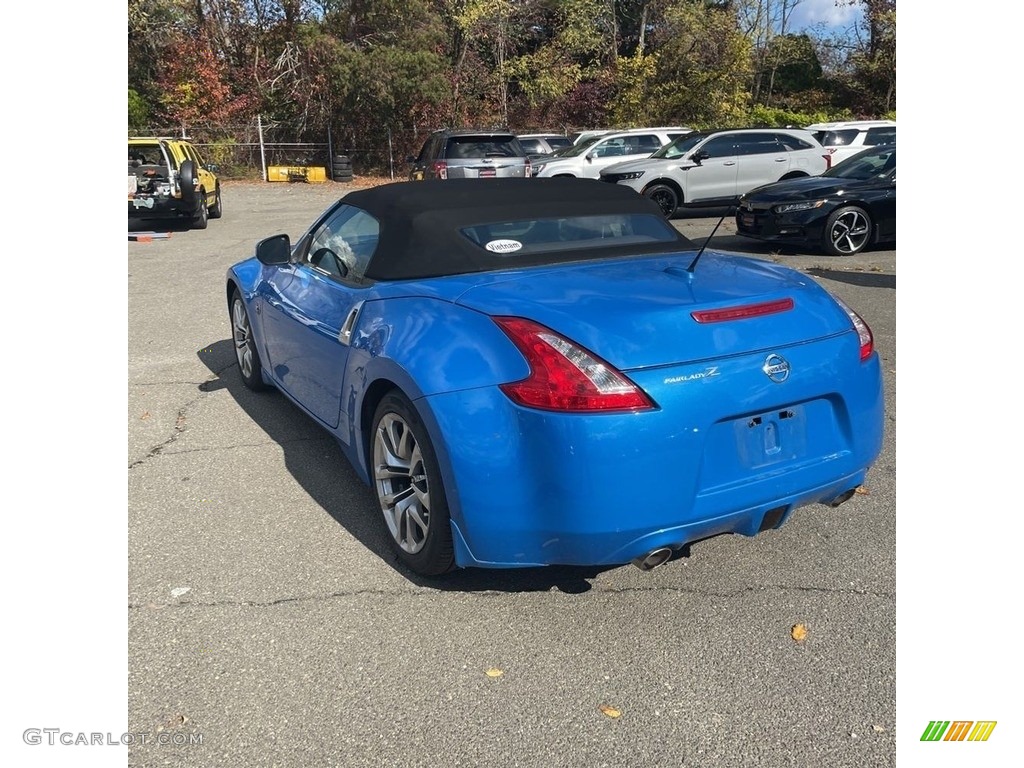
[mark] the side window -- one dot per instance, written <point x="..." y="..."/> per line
<point x="642" y="143"/>
<point x="756" y="144"/>
<point x="720" y="146"/>
<point x="343" y="246"/>
<point x="876" y="136"/>
<point x="531" y="145"/>
<point x="191" y="154"/>
<point x="610" y="148"/>
<point x="426" y="152"/>
<point x="793" y="143"/>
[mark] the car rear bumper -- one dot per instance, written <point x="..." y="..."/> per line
<point x="530" y="488"/>
<point x="154" y="207"/>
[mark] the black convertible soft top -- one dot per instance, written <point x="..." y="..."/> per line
<point x="447" y="227"/>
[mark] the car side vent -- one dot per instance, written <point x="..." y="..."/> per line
<point x="345" y="334"/>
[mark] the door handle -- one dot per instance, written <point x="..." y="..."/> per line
<point x="729" y="162"/>
<point x="780" y="159"/>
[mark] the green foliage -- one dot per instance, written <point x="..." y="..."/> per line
<point x="633" y="103"/>
<point x="138" y="110"/>
<point x="366" y="68"/>
<point x="772" y="117"/>
<point x="704" y="68"/>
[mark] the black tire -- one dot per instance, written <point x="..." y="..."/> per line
<point x="665" y="196"/>
<point x="403" y="467"/>
<point x="342" y="160"/>
<point x="187" y="182"/>
<point x="202" y="215"/>
<point x="249" y="366"/>
<point x="847" y="231"/>
<point x="218" y="207"/>
<point x="342" y="166"/>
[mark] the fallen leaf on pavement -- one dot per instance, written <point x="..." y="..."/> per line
<point x="493" y="672"/>
<point x="861" y="490"/>
<point x="799" y="632"/>
<point x="610" y="711"/>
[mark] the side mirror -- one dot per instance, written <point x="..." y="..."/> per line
<point x="274" y="250"/>
<point x="590" y="157"/>
<point x="699" y="155"/>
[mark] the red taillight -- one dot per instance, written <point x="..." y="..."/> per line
<point x="867" y="341"/>
<point x="741" y="312"/>
<point x="564" y="376"/>
<point x="441" y="169"/>
<point x="828" y="158"/>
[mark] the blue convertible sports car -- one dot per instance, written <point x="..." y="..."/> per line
<point x="544" y="371"/>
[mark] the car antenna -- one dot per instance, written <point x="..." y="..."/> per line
<point x="693" y="264"/>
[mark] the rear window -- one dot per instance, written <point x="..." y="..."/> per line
<point x="145" y="154"/>
<point x="839" y="138"/>
<point x="878" y="136"/>
<point x="529" y="236"/>
<point x="475" y="147"/>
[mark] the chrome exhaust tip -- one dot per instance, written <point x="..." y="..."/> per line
<point x="653" y="559"/>
<point x="842" y="497"/>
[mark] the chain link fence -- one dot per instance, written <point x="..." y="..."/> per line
<point x="246" y="150"/>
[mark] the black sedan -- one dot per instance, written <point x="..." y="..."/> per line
<point x="843" y="211"/>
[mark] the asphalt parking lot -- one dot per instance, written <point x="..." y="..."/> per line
<point x="268" y="619"/>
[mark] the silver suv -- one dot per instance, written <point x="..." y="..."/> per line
<point x="468" y="154"/>
<point x="712" y="168"/>
<point x="586" y="159"/>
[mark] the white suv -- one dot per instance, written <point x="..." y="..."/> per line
<point x="586" y="159"/>
<point x="845" y="139"/>
<point x="712" y="168"/>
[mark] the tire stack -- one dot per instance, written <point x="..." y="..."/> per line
<point x="341" y="169"/>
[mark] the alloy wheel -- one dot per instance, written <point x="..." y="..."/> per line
<point x="243" y="337"/>
<point x="401" y="480"/>
<point x="849" y="232"/>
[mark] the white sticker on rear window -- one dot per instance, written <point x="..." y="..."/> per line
<point x="503" y="246"/>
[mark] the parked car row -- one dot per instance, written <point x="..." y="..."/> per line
<point x="678" y="167"/>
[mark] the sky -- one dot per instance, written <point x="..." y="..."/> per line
<point x="833" y="14"/>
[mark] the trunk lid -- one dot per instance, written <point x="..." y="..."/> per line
<point x="637" y="313"/>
